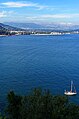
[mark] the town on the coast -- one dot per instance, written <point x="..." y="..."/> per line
<point x="7" y="30"/>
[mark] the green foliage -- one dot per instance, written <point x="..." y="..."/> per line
<point x="2" y="117"/>
<point x="13" y="108"/>
<point x="40" y="105"/>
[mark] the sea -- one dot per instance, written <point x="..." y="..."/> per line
<point x="32" y="61"/>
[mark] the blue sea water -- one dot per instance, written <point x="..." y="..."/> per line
<point x="30" y="61"/>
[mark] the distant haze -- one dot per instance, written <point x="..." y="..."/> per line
<point x="53" y="26"/>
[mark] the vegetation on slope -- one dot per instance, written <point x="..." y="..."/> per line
<point x="40" y="105"/>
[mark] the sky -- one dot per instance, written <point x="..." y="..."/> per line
<point x="42" y="11"/>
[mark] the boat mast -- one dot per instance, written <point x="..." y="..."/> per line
<point x="71" y="85"/>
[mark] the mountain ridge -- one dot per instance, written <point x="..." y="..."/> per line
<point x="53" y="26"/>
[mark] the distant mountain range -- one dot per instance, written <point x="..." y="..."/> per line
<point x="25" y="25"/>
<point x="5" y="28"/>
<point x="52" y="26"/>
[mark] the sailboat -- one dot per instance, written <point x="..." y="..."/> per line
<point x="71" y="92"/>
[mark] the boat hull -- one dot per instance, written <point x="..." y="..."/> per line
<point x="70" y="93"/>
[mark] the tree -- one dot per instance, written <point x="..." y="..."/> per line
<point x="14" y="104"/>
<point x="40" y="105"/>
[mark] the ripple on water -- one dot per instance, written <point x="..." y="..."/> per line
<point x="50" y="62"/>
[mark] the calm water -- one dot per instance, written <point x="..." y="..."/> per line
<point x="50" y="62"/>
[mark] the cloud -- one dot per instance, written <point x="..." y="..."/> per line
<point x="2" y="14"/>
<point x="60" y="16"/>
<point x="6" y="14"/>
<point x="54" y="16"/>
<point x="16" y="4"/>
<point x="24" y="4"/>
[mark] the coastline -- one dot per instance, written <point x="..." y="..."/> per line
<point x="46" y="34"/>
<point x="43" y="34"/>
<point x="3" y="35"/>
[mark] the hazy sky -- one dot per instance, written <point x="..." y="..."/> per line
<point x="60" y="11"/>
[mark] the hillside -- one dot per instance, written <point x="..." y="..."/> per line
<point x="5" y="29"/>
<point x="9" y="28"/>
<point x="29" y="28"/>
<point x="25" y="25"/>
<point x="45" y="26"/>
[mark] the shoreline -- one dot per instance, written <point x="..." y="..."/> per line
<point x="41" y="34"/>
<point x="3" y="35"/>
<point x="46" y="34"/>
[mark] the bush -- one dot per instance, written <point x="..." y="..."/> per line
<point x="40" y="105"/>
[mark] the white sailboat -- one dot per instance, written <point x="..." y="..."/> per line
<point x="71" y="92"/>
